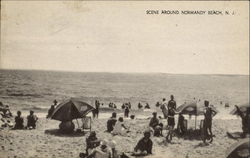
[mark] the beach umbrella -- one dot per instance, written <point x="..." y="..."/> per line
<point x="239" y="149"/>
<point x="188" y="108"/>
<point x="71" y="109"/>
<point x="191" y="108"/>
<point x="243" y="108"/>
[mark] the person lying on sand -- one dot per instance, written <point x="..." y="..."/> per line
<point x="245" y="121"/>
<point x="31" y="120"/>
<point x="102" y="152"/>
<point x="111" y="122"/>
<point x="18" y="121"/>
<point x="144" y="145"/>
<point x="120" y="128"/>
<point x="91" y="142"/>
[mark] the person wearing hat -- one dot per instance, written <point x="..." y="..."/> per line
<point x="111" y="122"/>
<point x="144" y="145"/>
<point x="31" y="120"/>
<point x="102" y="152"/>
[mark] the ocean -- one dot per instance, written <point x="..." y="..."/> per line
<point x="25" y="90"/>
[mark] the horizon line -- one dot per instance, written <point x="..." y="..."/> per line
<point x="124" y="72"/>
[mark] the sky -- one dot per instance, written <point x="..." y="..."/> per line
<point x="120" y="37"/>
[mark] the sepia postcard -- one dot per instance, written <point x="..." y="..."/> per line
<point x="124" y="79"/>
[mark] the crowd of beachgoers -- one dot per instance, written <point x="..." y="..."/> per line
<point x="164" y="128"/>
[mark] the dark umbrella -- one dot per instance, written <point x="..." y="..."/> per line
<point x="243" y="108"/>
<point x="192" y="108"/>
<point x="71" y="109"/>
<point x="239" y="149"/>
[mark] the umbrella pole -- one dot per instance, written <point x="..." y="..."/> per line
<point x="195" y="121"/>
<point x="77" y="123"/>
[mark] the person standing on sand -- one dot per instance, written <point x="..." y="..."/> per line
<point x="164" y="108"/>
<point x="207" y="126"/>
<point x="31" y="120"/>
<point x="97" y="106"/>
<point x="171" y="122"/>
<point x="172" y="102"/>
<point x="18" y="121"/>
<point x="126" y="111"/>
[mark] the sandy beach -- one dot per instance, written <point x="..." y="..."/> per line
<point x="46" y="142"/>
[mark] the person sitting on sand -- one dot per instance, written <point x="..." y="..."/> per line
<point x="102" y="152"/>
<point x="31" y="120"/>
<point x="18" y="121"/>
<point x="207" y="126"/>
<point x="245" y="121"/>
<point x="172" y="102"/>
<point x="111" y="122"/>
<point x="144" y="145"/>
<point x="158" y="130"/>
<point x="91" y="142"/>
<point x="120" y="128"/>
<point x="154" y="121"/>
